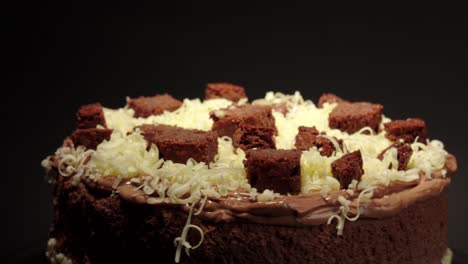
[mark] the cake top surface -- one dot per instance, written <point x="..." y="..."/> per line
<point x="181" y="151"/>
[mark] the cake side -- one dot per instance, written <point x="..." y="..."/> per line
<point x="117" y="230"/>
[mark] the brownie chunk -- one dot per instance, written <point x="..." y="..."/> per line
<point x="404" y="153"/>
<point x="227" y="120"/>
<point x="308" y="137"/>
<point x="274" y="169"/>
<point x="179" y="144"/>
<point x="348" y="168"/>
<point x="351" y="117"/>
<point x="329" y="98"/>
<point x="224" y="90"/>
<point x="305" y="138"/>
<point x="407" y="130"/>
<point x="90" y="137"/>
<point x="145" y="106"/>
<point x="89" y="116"/>
<point x="247" y="137"/>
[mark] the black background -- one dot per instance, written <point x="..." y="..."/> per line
<point x="412" y="59"/>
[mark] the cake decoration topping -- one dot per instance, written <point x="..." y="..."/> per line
<point x="180" y="144"/>
<point x="428" y="158"/>
<point x="73" y="162"/>
<point x="274" y="169"/>
<point x="228" y="91"/>
<point x="192" y="114"/>
<point x="344" y="209"/>
<point x="126" y="153"/>
<point x="407" y="130"/>
<point x="145" y="106"/>
<point x="238" y="117"/>
<point x="181" y="241"/>
<point x="248" y="137"/>
<point x="348" y="168"/>
<point x="280" y="102"/>
<point x="90" y="137"/>
<point x="90" y="116"/>
<point x="308" y="137"/>
<point x="351" y="117"/>
<point x="329" y="98"/>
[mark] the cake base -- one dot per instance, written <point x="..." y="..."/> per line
<point x="92" y="227"/>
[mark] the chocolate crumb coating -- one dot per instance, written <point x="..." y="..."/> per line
<point x="145" y="106"/>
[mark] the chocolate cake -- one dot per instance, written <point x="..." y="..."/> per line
<point x="225" y="180"/>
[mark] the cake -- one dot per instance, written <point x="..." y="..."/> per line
<point x="227" y="180"/>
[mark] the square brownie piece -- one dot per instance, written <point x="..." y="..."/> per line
<point x="329" y="98"/>
<point x="227" y="120"/>
<point x="274" y="169"/>
<point x="308" y="137"/>
<point x="407" y="130"/>
<point x="247" y="137"/>
<point x="90" y="137"/>
<point x="305" y="137"/>
<point x="145" y="106"/>
<point x="179" y="144"/>
<point x="348" y="168"/>
<point x="351" y="117"/>
<point x="224" y="90"/>
<point x="89" y="116"/>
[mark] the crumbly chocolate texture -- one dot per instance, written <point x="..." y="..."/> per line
<point x="247" y="137"/>
<point x="274" y="169"/>
<point x="227" y="120"/>
<point x="351" y="117"/>
<point x="90" y="137"/>
<point x="145" y="106"/>
<point x="330" y="98"/>
<point x="117" y="231"/>
<point x="305" y="137"/>
<point x="408" y="130"/>
<point x="404" y="153"/>
<point x="348" y="168"/>
<point x="308" y="137"/>
<point x="89" y="116"/>
<point x="179" y="144"/>
<point x="225" y="90"/>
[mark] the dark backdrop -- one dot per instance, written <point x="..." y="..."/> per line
<point x="413" y="59"/>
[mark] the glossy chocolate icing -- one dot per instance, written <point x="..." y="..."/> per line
<point x="304" y="210"/>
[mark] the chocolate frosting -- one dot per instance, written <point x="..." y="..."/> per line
<point x="304" y="210"/>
